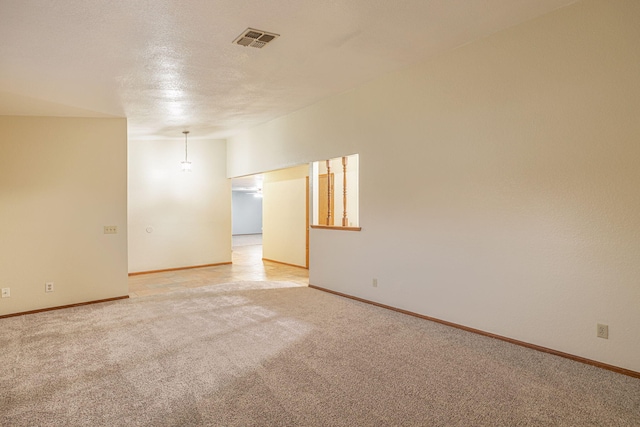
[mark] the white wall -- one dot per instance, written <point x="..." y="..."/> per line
<point x="498" y="183"/>
<point x="189" y="212"/>
<point x="247" y="213"/>
<point x="61" y="181"/>
<point x="284" y="215"/>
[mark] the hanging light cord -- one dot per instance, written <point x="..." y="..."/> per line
<point x="186" y="132"/>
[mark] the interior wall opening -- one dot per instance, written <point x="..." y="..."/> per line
<point x="283" y="196"/>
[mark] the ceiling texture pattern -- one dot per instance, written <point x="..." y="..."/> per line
<point x="170" y="65"/>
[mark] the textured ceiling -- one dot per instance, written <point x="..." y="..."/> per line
<point x="169" y="65"/>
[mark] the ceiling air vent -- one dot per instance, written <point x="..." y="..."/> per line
<point x="255" y="38"/>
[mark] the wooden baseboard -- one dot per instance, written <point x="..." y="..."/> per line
<point x="137" y="273"/>
<point x="41" y="310"/>
<point x="580" y="359"/>
<point x="284" y="263"/>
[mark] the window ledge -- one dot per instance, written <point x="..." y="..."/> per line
<point x="336" y="227"/>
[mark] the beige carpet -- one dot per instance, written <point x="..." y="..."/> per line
<point x="277" y="354"/>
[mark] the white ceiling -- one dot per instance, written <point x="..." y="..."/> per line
<point x="170" y="65"/>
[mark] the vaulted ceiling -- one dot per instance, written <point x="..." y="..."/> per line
<point x="169" y="65"/>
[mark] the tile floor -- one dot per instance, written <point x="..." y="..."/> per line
<point x="247" y="266"/>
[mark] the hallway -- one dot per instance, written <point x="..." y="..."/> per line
<point x="247" y="266"/>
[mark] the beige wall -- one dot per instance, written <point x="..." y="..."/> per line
<point x="61" y="181"/>
<point x="284" y="215"/>
<point x="498" y="183"/>
<point x="188" y="213"/>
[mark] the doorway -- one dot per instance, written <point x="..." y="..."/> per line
<point x="285" y="215"/>
<point x="246" y="218"/>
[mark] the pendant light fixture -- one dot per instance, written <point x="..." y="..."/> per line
<point x="186" y="164"/>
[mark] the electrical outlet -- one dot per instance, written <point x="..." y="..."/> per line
<point x="48" y="287"/>
<point x="375" y="283"/>
<point x="6" y="292"/>
<point x="110" y="229"/>
<point x="603" y="331"/>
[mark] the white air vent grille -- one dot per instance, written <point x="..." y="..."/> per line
<point x="258" y="44"/>
<point x="255" y="38"/>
